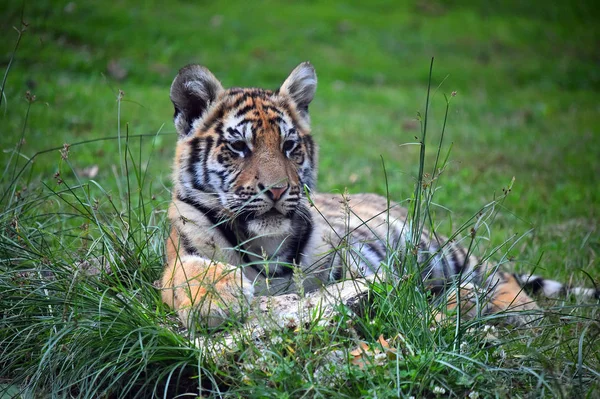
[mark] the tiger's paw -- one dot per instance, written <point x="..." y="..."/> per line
<point x="208" y="295"/>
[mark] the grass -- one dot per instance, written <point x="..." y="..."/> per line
<point x="527" y="86"/>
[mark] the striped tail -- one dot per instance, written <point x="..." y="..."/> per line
<point x="537" y="285"/>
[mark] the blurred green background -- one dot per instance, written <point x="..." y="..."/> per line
<point x="527" y="77"/>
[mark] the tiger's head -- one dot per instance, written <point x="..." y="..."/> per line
<point x="246" y="153"/>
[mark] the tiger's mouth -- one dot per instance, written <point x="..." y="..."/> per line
<point x="270" y="223"/>
<point x="271" y="213"/>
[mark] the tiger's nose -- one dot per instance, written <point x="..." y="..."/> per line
<point x="275" y="192"/>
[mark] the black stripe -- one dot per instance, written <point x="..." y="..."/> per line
<point x="271" y="108"/>
<point x="220" y="224"/>
<point x="186" y="243"/>
<point x="456" y="264"/>
<point x="235" y="132"/>
<point x="248" y="93"/>
<point x="535" y="286"/>
<point x="300" y="240"/>
<point x="223" y="157"/>
<point x="275" y="120"/>
<point x="377" y="251"/>
<point x="194" y="161"/>
<point x="223" y="175"/>
<point x="310" y="144"/>
<point x="196" y="185"/>
<point x="194" y="156"/>
<point x="243" y="111"/>
<point x="297" y="153"/>
<point x="240" y="100"/>
<point x="209" y="143"/>
<point x="338" y="273"/>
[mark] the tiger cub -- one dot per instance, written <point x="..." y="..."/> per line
<point x="246" y="219"/>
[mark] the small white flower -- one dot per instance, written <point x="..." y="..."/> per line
<point x="490" y="329"/>
<point x="464" y="346"/>
<point x="276" y="340"/>
<point x="380" y="358"/>
<point x="474" y="395"/>
<point x="411" y="397"/>
<point x="439" y="390"/>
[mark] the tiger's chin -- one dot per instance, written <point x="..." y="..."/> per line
<point x="271" y="223"/>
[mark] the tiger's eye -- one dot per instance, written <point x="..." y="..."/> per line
<point x="288" y="145"/>
<point x="239" y="146"/>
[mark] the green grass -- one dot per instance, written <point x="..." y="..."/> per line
<point x="527" y="83"/>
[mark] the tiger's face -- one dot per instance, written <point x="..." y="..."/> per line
<point x="247" y="152"/>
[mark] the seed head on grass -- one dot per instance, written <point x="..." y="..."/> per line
<point x="30" y="97"/>
<point x="64" y="152"/>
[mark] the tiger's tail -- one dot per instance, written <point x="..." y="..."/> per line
<point x="538" y="285"/>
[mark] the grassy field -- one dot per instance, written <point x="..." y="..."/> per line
<point x="527" y="106"/>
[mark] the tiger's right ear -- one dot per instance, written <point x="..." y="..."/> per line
<point x="193" y="92"/>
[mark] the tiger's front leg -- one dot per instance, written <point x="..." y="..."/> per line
<point x="205" y="292"/>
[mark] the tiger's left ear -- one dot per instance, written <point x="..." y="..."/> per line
<point x="193" y="92"/>
<point x="301" y="86"/>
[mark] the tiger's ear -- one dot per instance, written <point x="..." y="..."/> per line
<point x="301" y="86"/>
<point x="193" y="92"/>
